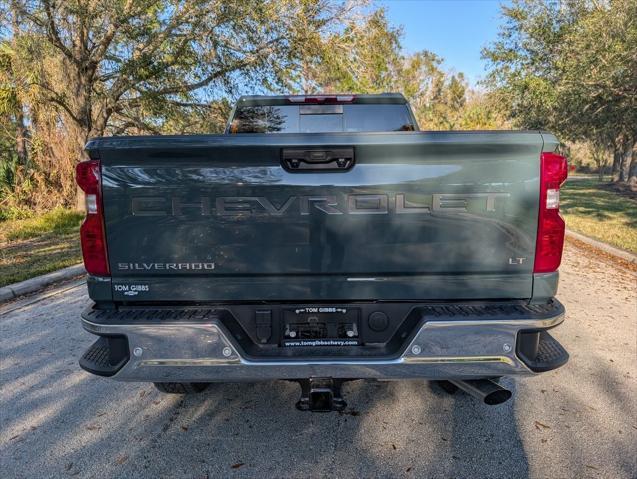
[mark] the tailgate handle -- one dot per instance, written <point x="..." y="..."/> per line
<point x="298" y="160"/>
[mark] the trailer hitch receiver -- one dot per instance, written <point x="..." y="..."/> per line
<point x="321" y="395"/>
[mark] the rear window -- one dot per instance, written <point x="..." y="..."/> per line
<point x="321" y="118"/>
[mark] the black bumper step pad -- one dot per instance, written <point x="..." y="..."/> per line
<point x="106" y="356"/>
<point x="493" y="311"/>
<point x="150" y="314"/>
<point x="439" y="312"/>
<point x="549" y="354"/>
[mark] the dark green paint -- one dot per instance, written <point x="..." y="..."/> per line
<point x="437" y="255"/>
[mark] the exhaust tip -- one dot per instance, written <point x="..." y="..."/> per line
<point x="486" y="390"/>
<point x="497" y="397"/>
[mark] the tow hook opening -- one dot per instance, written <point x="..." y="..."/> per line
<point x="321" y="395"/>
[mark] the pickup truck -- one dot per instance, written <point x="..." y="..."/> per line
<point x="323" y="239"/>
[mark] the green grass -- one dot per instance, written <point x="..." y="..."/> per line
<point x="58" y="221"/>
<point x="39" y="245"/>
<point x="600" y="211"/>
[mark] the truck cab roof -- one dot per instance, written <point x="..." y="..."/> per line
<point x="265" y="100"/>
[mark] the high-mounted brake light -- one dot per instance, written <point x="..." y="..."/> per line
<point x="88" y="177"/>
<point x="550" y="230"/>
<point x="321" y="99"/>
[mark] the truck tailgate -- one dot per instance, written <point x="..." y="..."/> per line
<point x="418" y="216"/>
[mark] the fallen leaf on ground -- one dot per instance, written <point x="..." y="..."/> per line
<point x="184" y="428"/>
<point x="592" y="467"/>
<point x="539" y="426"/>
<point x="121" y="459"/>
<point x="237" y="465"/>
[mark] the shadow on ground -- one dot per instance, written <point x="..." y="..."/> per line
<point x="60" y="421"/>
<point x="578" y="421"/>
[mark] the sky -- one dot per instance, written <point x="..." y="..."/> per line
<point x="456" y="30"/>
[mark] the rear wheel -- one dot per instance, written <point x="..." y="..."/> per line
<point x="181" y="388"/>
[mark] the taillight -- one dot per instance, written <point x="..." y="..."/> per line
<point x="92" y="230"/>
<point x="550" y="229"/>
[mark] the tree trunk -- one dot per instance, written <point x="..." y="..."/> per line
<point x="622" y="157"/>
<point x="599" y="155"/>
<point x="617" y="163"/>
<point x="626" y="159"/>
<point x="632" y="172"/>
<point x="21" y="129"/>
<point x="21" y="137"/>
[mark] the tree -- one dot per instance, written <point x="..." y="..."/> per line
<point x="11" y="104"/>
<point x="481" y="112"/>
<point x="599" y="81"/>
<point x="365" y="57"/>
<point x="599" y="156"/>
<point x="571" y="67"/>
<point x="447" y="99"/>
<point x="70" y="70"/>
<point x="128" y="64"/>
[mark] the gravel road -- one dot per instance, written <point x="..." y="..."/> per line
<point x="578" y="421"/>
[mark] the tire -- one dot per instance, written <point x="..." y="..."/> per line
<point x="181" y="388"/>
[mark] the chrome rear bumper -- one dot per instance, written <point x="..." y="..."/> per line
<point x="204" y="352"/>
